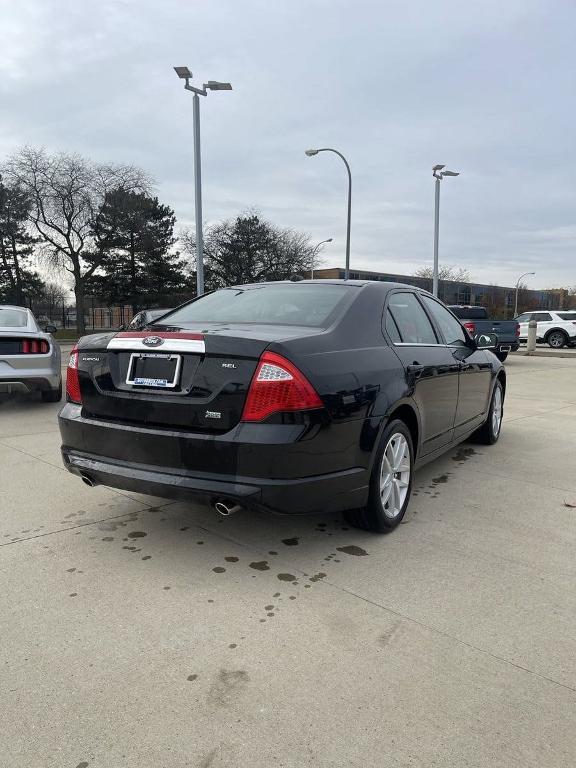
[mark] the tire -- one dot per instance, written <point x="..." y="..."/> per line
<point x="381" y="515"/>
<point x="557" y="339"/>
<point x="490" y="431"/>
<point x="501" y="356"/>
<point x="52" y="395"/>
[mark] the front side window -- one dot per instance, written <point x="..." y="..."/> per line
<point x="453" y="332"/>
<point x="411" y="320"/>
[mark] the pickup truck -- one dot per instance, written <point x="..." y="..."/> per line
<point x="476" y="320"/>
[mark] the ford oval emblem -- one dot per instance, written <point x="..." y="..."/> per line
<point x="152" y="341"/>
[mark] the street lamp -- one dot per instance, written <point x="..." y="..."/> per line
<point x="311" y="153"/>
<point x="517" y="287"/>
<point x="438" y="173"/>
<point x="212" y="85"/>
<point x="314" y="252"/>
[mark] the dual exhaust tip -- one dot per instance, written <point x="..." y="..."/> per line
<point x="224" y="508"/>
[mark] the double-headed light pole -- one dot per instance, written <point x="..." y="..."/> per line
<point x="311" y="153"/>
<point x="212" y="85"/>
<point x="438" y="173"/>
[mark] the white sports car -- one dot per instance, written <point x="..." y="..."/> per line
<point x="29" y="358"/>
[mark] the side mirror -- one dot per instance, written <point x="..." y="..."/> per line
<point x="486" y="340"/>
<point x="51" y="329"/>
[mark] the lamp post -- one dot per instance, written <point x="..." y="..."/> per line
<point x="517" y="287"/>
<point x="212" y="85"/>
<point x="314" y="252"/>
<point x="311" y="153"/>
<point x="438" y="174"/>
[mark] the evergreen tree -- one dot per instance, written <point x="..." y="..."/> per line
<point x="17" y="280"/>
<point x="136" y="234"/>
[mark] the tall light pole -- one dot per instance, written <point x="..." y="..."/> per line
<point x="212" y="85"/>
<point x="517" y="287"/>
<point x="311" y="153"/>
<point x="314" y="252"/>
<point x="438" y="174"/>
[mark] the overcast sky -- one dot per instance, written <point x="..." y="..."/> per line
<point x="486" y="87"/>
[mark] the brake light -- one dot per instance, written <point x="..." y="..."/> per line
<point x="470" y="327"/>
<point x="517" y="329"/>
<point x="73" y="393"/>
<point x="35" y="346"/>
<point x="277" y="385"/>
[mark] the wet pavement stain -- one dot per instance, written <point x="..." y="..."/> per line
<point x="199" y="542"/>
<point x="463" y="454"/>
<point x="291" y="542"/>
<point x="292" y="597"/>
<point x="70" y="570"/>
<point x="147" y="557"/>
<point x="232" y="645"/>
<point x="83" y="764"/>
<point x="260" y="565"/>
<point x="108" y="538"/>
<point x="137" y="535"/>
<point x="191" y="678"/>
<point x="272" y="552"/>
<point x="268" y="607"/>
<point x="73" y="594"/>
<point x="270" y="614"/>
<point x="231" y="559"/>
<point x="317" y="577"/>
<point x="286" y="577"/>
<point x="219" y="569"/>
<point x="441" y="479"/>
<point x="186" y="528"/>
<point x="276" y="594"/>
<point x="352" y="549"/>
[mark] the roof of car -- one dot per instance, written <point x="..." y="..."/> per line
<point x="386" y="286"/>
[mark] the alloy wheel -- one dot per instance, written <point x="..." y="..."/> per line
<point x="395" y="472"/>
<point x="497" y="411"/>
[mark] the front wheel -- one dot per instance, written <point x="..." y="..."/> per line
<point x="489" y="432"/>
<point x="390" y="482"/>
<point x="557" y="339"/>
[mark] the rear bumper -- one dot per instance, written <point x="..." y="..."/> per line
<point x="508" y="346"/>
<point x="172" y="468"/>
<point x="32" y="383"/>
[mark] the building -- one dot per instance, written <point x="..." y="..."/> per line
<point x="499" y="300"/>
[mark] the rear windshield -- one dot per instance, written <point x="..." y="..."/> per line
<point x="470" y="313"/>
<point x="13" y="318"/>
<point x="282" y="304"/>
<point x="567" y="315"/>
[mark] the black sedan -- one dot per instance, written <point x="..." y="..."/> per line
<point x="293" y="397"/>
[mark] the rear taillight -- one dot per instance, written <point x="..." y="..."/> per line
<point x="35" y="347"/>
<point x="517" y="329"/>
<point x="277" y="385"/>
<point x="470" y="327"/>
<point x="73" y="393"/>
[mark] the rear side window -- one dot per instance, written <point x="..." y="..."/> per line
<point x="567" y="316"/>
<point x="523" y="318"/>
<point x="411" y="320"/>
<point x="281" y="304"/>
<point x="392" y="328"/>
<point x="13" y="318"/>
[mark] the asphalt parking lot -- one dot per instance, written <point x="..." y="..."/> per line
<point x="138" y="632"/>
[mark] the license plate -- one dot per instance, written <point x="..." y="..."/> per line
<point x="152" y="369"/>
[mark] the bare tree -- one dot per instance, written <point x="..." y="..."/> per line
<point x="67" y="192"/>
<point x="445" y="272"/>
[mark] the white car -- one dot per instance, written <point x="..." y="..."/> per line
<point x="555" y="328"/>
<point x="29" y="357"/>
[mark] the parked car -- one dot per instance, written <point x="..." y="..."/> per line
<point x="145" y="317"/>
<point x="555" y="328"/>
<point x="475" y="320"/>
<point x="29" y="357"/>
<point x="293" y="397"/>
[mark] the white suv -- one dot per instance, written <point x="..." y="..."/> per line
<point x="557" y="329"/>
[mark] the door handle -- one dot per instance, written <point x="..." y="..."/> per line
<point x="415" y="370"/>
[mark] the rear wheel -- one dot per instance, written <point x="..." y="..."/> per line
<point x="501" y="356"/>
<point x="390" y="482"/>
<point x="489" y="432"/>
<point x="52" y="395"/>
<point x="557" y="339"/>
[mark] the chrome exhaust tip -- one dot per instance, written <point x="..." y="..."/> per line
<point x="226" y="508"/>
<point x="87" y="480"/>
